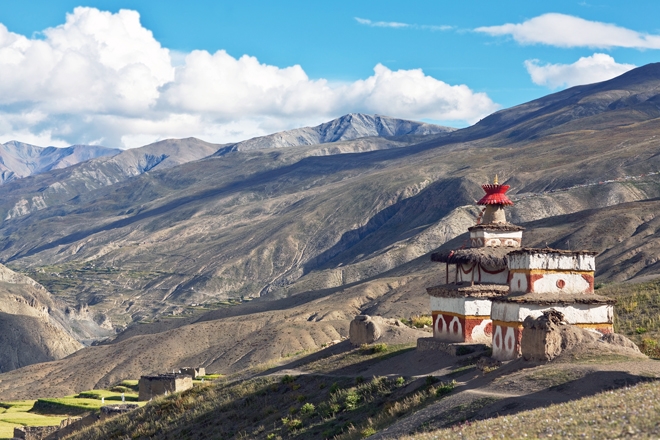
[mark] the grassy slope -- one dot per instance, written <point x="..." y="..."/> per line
<point x="275" y="404"/>
<point x="308" y="406"/>
<point x="626" y="413"/>
<point x="14" y="414"/>
<point x="50" y="412"/>
<point x="637" y="313"/>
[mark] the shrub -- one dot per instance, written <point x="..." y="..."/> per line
<point x="359" y="380"/>
<point x="307" y="409"/>
<point x="301" y="398"/>
<point x="445" y="388"/>
<point x="421" y="321"/>
<point x="430" y="380"/>
<point x="294" y="424"/>
<point x="650" y="348"/>
<point x="351" y="401"/>
<point x="334" y="388"/>
<point x="400" y="381"/>
<point x="333" y="409"/>
<point x="287" y="379"/>
<point x="379" y="348"/>
<point x="366" y="432"/>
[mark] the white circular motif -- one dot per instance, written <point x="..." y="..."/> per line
<point x="444" y="325"/>
<point x="497" y="337"/>
<point x="459" y="327"/>
<point x="510" y="340"/>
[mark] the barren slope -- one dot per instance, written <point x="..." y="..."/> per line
<point x="33" y="328"/>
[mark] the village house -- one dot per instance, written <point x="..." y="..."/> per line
<point x="161" y="384"/>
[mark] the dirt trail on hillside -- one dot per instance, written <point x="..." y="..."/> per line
<point x="520" y="386"/>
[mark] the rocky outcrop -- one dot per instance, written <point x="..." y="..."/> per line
<point x="541" y="339"/>
<point x="548" y="337"/>
<point x="364" y="330"/>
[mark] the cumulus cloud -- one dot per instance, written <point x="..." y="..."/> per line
<point x="568" y="31"/>
<point x="103" y="78"/>
<point x="595" y="68"/>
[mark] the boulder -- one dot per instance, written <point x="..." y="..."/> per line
<point x="549" y="336"/>
<point x="541" y="337"/>
<point x="364" y="329"/>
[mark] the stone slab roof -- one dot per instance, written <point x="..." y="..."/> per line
<point x="494" y="257"/>
<point x="555" y="298"/>
<point x="462" y="290"/>
<point x="503" y="227"/>
<point x="552" y="251"/>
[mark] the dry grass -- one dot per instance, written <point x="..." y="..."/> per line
<point x="271" y="407"/>
<point x="637" y="313"/>
<point x="629" y="412"/>
<point x="421" y="321"/>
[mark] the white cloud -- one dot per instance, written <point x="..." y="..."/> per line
<point x="392" y="24"/>
<point x="102" y="77"/>
<point x="595" y="68"/>
<point x="568" y="31"/>
<point x="396" y="24"/>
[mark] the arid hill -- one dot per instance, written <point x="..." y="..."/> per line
<point x="321" y="232"/>
<point x="287" y="220"/>
<point x="33" y="327"/>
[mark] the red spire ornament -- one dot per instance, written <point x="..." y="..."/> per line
<point x="495" y="194"/>
<point x="495" y="201"/>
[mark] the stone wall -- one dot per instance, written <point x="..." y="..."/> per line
<point x="34" y="432"/>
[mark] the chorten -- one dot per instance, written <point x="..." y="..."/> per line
<point x="494" y="284"/>
<point x="474" y="275"/>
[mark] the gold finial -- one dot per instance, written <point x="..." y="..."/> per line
<point x="495" y="182"/>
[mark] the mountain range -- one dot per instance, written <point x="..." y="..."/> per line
<point x="347" y="128"/>
<point x="301" y="237"/>
<point x="18" y="160"/>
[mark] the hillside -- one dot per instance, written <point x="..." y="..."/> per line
<point x="322" y="232"/>
<point x="289" y="220"/>
<point x="33" y="327"/>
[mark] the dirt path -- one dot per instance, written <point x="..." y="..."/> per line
<point x="521" y="386"/>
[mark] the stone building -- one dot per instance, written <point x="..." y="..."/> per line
<point x="160" y="384"/>
<point x="193" y="372"/>
<point x="494" y="284"/>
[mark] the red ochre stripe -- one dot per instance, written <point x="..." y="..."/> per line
<point x="595" y="325"/>
<point x="437" y="312"/>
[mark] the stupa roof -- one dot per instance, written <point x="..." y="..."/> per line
<point x="494" y="257"/>
<point x="495" y="195"/>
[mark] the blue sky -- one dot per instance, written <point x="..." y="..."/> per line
<point x="100" y="76"/>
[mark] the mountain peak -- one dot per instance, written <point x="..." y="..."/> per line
<point x="345" y="128"/>
<point x="18" y="159"/>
